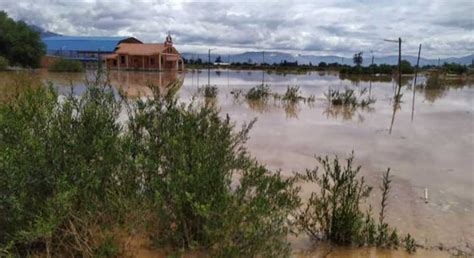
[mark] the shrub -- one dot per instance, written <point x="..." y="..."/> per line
<point x="3" y="63"/>
<point x="348" y="97"/>
<point x="260" y="92"/>
<point x="208" y="91"/>
<point x="334" y="213"/>
<point x="65" y="65"/>
<point x="60" y="163"/>
<point x="292" y="94"/>
<point x="189" y="157"/>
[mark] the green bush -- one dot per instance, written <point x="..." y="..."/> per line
<point x="65" y="65"/>
<point x="70" y="174"/>
<point x="260" y="92"/>
<point x="348" y="97"/>
<point x="335" y="214"/>
<point x="3" y="63"/>
<point x="59" y="166"/>
<point x="190" y="158"/>
<point x="208" y="91"/>
<point x="292" y="94"/>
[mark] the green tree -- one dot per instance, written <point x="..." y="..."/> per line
<point x="19" y="43"/>
<point x="406" y="67"/>
<point x="358" y="58"/>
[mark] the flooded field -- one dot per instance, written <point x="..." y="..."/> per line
<point x="428" y="143"/>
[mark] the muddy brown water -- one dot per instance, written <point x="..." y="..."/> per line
<point x="428" y="145"/>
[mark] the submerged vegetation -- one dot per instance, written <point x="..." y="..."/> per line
<point x="74" y="181"/>
<point x="335" y="212"/>
<point x="65" y="65"/>
<point x="208" y="91"/>
<point x="263" y="93"/>
<point x="260" y="92"/>
<point x="348" y="97"/>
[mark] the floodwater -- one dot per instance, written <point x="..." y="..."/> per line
<point x="428" y="143"/>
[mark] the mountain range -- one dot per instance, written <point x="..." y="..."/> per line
<point x="277" y="57"/>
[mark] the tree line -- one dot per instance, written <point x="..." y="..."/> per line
<point x="20" y="45"/>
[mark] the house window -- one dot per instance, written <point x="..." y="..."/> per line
<point x="115" y="62"/>
<point x="122" y="59"/>
<point x="152" y="61"/>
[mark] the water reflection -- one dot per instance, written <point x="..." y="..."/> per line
<point x="347" y="113"/>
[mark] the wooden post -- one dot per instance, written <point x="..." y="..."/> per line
<point x="118" y="61"/>
<point x="143" y="62"/>
<point x="159" y="62"/>
<point x="126" y="61"/>
<point x="399" y="69"/>
<point x="414" y="82"/>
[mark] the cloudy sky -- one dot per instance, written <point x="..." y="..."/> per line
<point x="444" y="27"/>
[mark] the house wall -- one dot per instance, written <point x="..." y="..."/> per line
<point x="142" y="63"/>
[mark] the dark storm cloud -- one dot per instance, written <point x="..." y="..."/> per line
<point x="322" y="27"/>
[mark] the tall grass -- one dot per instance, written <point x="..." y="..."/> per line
<point x="3" y="63"/>
<point x="208" y="91"/>
<point x="349" y="97"/>
<point x="65" y="65"/>
<point x="334" y="213"/>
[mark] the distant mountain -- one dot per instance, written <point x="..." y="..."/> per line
<point x="277" y="57"/>
<point x="44" y="33"/>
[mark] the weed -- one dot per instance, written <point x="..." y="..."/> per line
<point x="208" y="91"/>
<point x="260" y="92"/>
<point x="292" y="94"/>
<point x="65" y="65"/>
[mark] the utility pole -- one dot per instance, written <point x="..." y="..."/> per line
<point x="263" y="70"/>
<point x="399" y="66"/>
<point x="414" y="82"/>
<point x="209" y="67"/>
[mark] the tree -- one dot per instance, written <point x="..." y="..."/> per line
<point x="19" y="43"/>
<point x="358" y="59"/>
<point x="406" y="67"/>
<point x="218" y="60"/>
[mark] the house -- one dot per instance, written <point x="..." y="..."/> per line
<point x="147" y="56"/>
<point x="84" y="48"/>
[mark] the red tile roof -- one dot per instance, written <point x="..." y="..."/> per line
<point x="139" y="49"/>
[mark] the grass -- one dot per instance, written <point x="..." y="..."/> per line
<point x="334" y="212"/>
<point x="66" y="65"/>
<point x="348" y="97"/>
<point x="208" y="91"/>
<point x="3" y="63"/>
<point x="260" y="92"/>
<point x="292" y="94"/>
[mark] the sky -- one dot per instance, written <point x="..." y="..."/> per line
<point x="443" y="27"/>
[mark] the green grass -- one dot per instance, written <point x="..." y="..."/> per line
<point x="260" y="92"/>
<point x="208" y="91"/>
<point x="3" y="63"/>
<point x="349" y="97"/>
<point x="66" y="65"/>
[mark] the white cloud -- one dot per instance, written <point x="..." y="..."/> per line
<point x="320" y="27"/>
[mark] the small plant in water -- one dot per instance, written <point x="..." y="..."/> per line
<point x="209" y="91"/>
<point x="260" y="92"/>
<point x="334" y="212"/>
<point x="292" y="94"/>
<point x="348" y="97"/>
